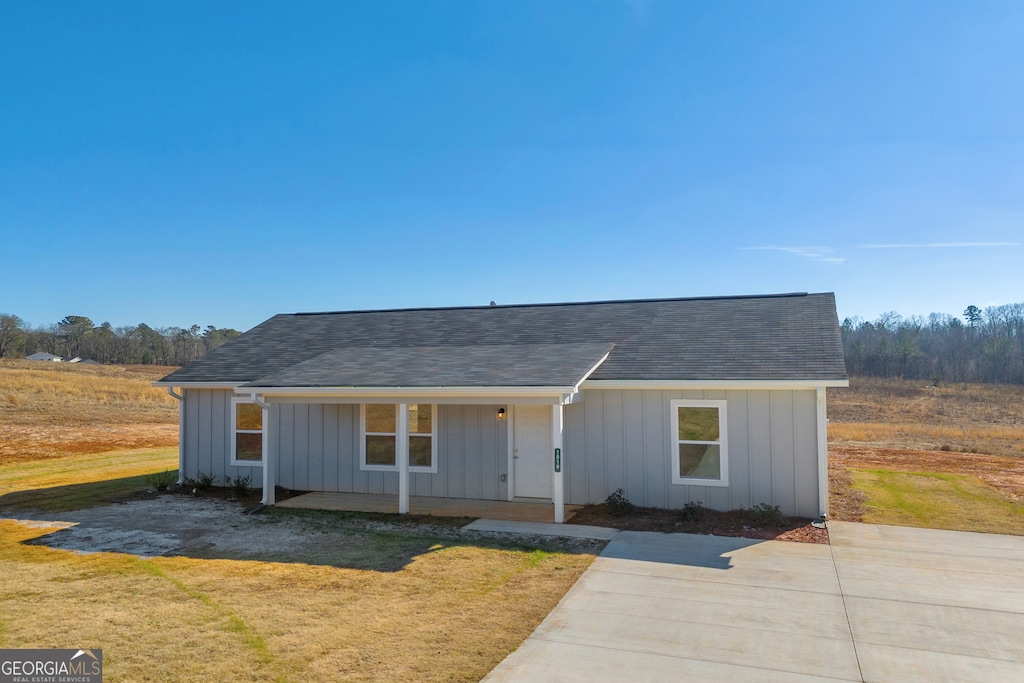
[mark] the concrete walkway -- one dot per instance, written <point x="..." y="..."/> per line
<point x="598" y="533"/>
<point x="879" y="604"/>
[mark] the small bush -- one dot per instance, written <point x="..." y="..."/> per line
<point x="618" y="504"/>
<point x="161" y="480"/>
<point x="201" y="482"/>
<point x="769" y="515"/>
<point x="692" y="511"/>
<point x="240" y="484"/>
<point x="946" y="448"/>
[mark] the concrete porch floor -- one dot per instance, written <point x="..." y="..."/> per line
<point x="426" y="505"/>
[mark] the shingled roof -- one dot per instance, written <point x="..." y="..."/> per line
<point x="777" y="337"/>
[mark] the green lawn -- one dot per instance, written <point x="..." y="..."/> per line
<point x="936" y="500"/>
<point x="80" y="481"/>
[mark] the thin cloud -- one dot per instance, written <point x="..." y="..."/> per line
<point x="940" y="245"/>
<point x="640" y="11"/>
<point x="821" y="255"/>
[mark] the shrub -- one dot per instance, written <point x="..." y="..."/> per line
<point x="240" y="484"/>
<point x="692" y="511"/>
<point x="769" y="515"/>
<point x="161" y="480"/>
<point x="201" y="482"/>
<point x="618" y="504"/>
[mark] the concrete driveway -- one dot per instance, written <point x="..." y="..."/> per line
<point x="879" y="604"/>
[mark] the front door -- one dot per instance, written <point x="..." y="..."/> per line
<point x="532" y="452"/>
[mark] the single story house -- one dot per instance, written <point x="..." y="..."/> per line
<point x="719" y="400"/>
<point x="43" y="355"/>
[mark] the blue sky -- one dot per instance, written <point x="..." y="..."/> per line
<point x="216" y="163"/>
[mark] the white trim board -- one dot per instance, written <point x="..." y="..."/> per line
<point x="496" y="392"/>
<point x="199" y="385"/>
<point x="497" y="401"/>
<point x="739" y="384"/>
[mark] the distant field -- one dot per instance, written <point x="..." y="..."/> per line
<point x="50" y="410"/>
<point x="948" y="457"/>
<point x="969" y="418"/>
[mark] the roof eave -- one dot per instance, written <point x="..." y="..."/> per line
<point x="410" y="391"/>
<point x="197" y="385"/>
<point x="665" y="384"/>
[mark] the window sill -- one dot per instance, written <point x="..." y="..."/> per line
<point x="700" y="482"/>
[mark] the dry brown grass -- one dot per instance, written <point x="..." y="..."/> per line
<point x="51" y="410"/>
<point x="997" y="439"/>
<point x="972" y="418"/>
<point x="450" y="612"/>
<point x="35" y="392"/>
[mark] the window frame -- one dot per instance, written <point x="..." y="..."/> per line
<point x="235" y="431"/>
<point x="363" y="465"/>
<point x="723" y="441"/>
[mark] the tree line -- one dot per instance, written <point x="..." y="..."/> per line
<point x="76" y="336"/>
<point x="985" y="346"/>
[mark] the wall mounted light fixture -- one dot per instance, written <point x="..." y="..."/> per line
<point x="501" y="413"/>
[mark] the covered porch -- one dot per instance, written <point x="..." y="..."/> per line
<point x="410" y="421"/>
<point x="513" y="511"/>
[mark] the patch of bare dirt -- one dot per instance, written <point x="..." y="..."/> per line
<point x="737" y="523"/>
<point x="215" y="524"/>
<point x="1002" y="473"/>
<point x="23" y="443"/>
<point x="845" y="503"/>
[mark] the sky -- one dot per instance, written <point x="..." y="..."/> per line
<point x="216" y="163"/>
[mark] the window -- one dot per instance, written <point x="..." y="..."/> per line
<point x="381" y="434"/>
<point x="699" y="443"/>
<point x="247" y="444"/>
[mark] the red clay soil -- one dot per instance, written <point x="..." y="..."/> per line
<point x="737" y="523"/>
<point x="1003" y="473"/>
<point x="24" y="443"/>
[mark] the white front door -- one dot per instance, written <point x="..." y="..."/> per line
<point x="532" y="454"/>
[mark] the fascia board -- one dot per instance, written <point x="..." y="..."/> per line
<point x="712" y="384"/>
<point x="199" y="385"/>
<point x="497" y="392"/>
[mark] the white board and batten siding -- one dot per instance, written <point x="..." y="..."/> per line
<point x="624" y="436"/>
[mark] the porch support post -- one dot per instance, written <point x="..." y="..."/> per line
<point x="269" y="466"/>
<point x="402" y="456"/>
<point x="822" y="453"/>
<point x="558" y="497"/>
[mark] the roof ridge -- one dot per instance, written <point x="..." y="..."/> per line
<point x="554" y="304"/>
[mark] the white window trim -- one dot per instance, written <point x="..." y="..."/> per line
<point x="394" y="468"/>
<point x="723" y="440"/>
<point x="234" y="431"/>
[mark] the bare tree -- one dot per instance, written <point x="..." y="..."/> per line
<point x="11" y="332"/>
